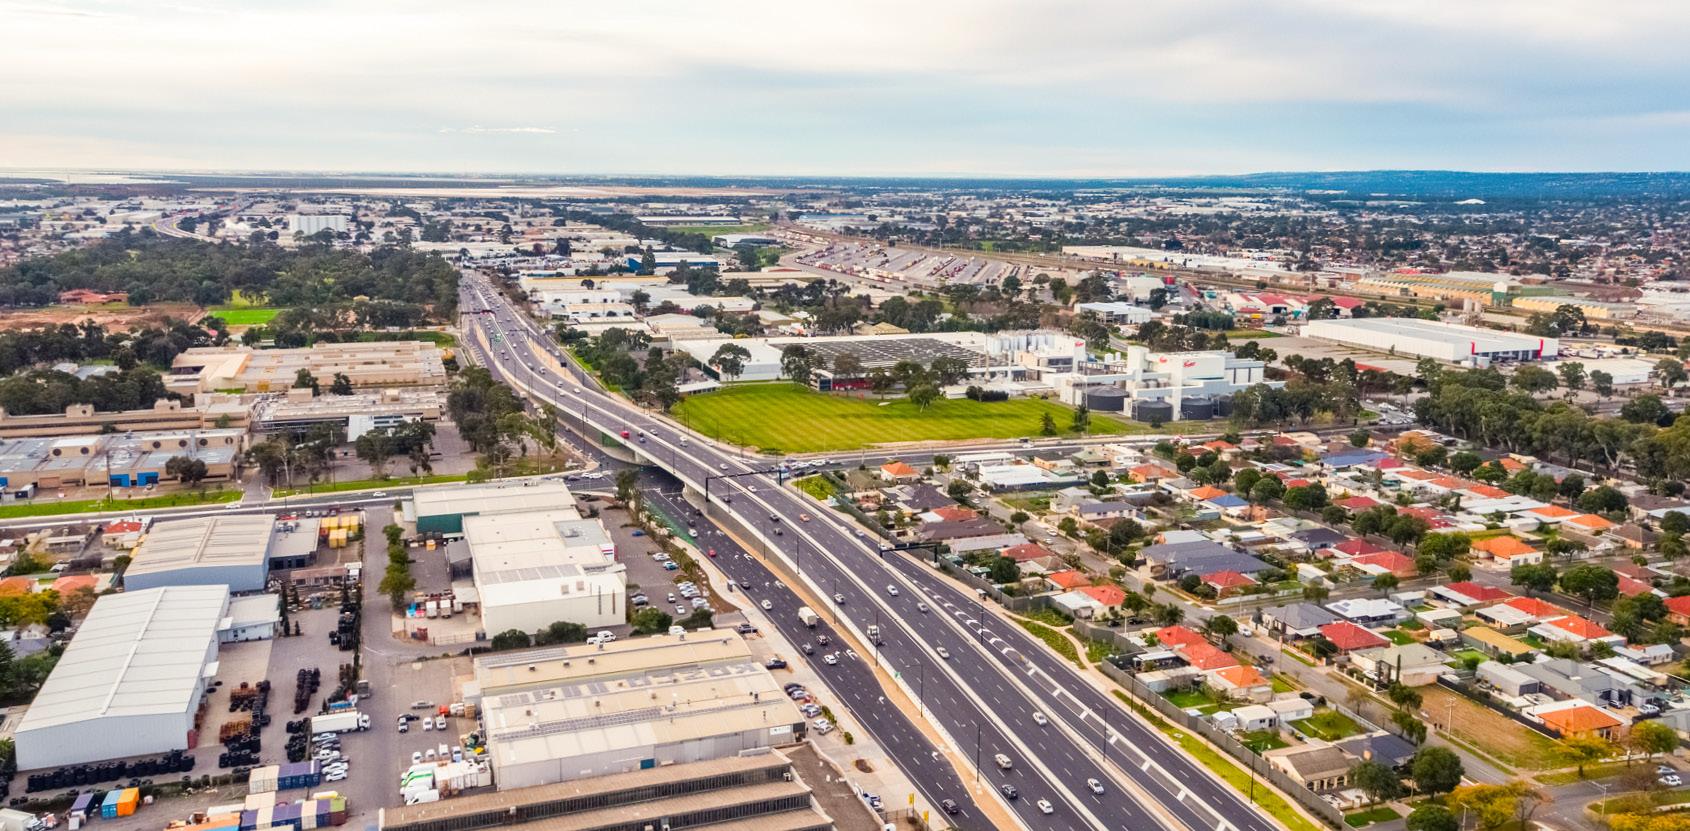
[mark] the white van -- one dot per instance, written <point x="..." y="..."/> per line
<point x="1003" y="762"/>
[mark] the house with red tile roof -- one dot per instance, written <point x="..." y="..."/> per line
<point x="897" y="471"/>
<point x="1349" y="637"/>
<point x="1107" y="595"/>
<point x="1027" y="551"/>
<point x="1510" y="464"/>
<point x="954" y="513"/>
<point x="17" y="585"/>
<point x="1357" y="547"/>
<point x="1467" y="594"/>
<point x="1508" y="550"/>
<point x="1358" y="503"/>
<point x="76" y="582"/>
<point x="1241" y="683"/>
<point x="1574" y="629"/>
<point x="1228" y="583"/>
<point x="1632" y="587"/>
<point x="1385" y="562"/>
<point x="1152" y="473"/>
<point x="1205" y="492"/>
<point x="1068" y="580"/>
<point x="1678" y="610"/>
<point x="1206" y="656"/>
<point x="1176" y="636"/>
<point x="1537" y="607"/>
<point x="1581" y="720"/>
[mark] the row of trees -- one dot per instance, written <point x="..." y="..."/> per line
<point x="652" y="377"/>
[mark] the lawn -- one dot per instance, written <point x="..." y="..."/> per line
<point x="82" y="506"/>
<point x="1250" y="334"/>
<point x="1491" y="733"/>
<point x="371" y="484"/>
<point x="246" y="315"/>
<point x="1398" y="637"/>
<point x="1330" y="725"/>
<point x="1196" y="698"/>
<point x="1378" y="813"/>
<point x="1096" y="651"/>
<point x="1262" y="741"/>
<point x="819" y="487"/>
<point x="1053" y="639"/>
<point x="1266" y="797"/>
<point x="1281" y="684"/>
<point x="787" y="418"/>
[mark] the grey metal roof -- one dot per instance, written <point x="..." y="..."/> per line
<point x="206" y="542"/>
<point x="1300" y="615"/>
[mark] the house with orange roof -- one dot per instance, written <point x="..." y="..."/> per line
<point x="1241" y="683"/>
<point x="1552" y="514"/>
<point x="898" y="471"/>
<point x="1228" y="583"/>
<point x="1487" y="492"/>
<point x="1508" y="550"/>
<point x="1511" y="464"/>
<point x="1575" y="629"/>
<point x="1206" y="656"/>
<point x="1537" y="607"/>
<point x="1590" y="523"/>
<point x="76" y="582"/>
<point x="1107" y="595"/>
<point x="1579" y="720"/>
<point x="1416" y="475"/>
<point x="1177" y="636"/>
<point x="1089" y="601"/>
<point x="1205" y="492"/>
<point x="1678" y="610"/>
<point x="1068" y="580"/>
<point x="17" y="585"/>
<point x="953" y="513"/>
<point x="1385" y="562"/>
<point x="1152" y="473"/>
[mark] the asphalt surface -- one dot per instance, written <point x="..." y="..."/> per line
<point x="996" y="676"/>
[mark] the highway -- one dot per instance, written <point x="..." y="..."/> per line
<point x="971" y="673"/>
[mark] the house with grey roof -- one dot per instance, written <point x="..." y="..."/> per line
<point x="1295" y="621"/>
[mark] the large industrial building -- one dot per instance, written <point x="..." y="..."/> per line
<point x="534" y="569"/>
<point x="357" y="414"/>
<point x="131" y="681"/>
<point x="209" y="411"/>
<point x="120" y="460"/>
<point x="404" y="363"/>
<point x="1159" y="386"/>
<point x="1432" y="339"/>
<point x="559" y="714"/>
<point x="231" y="551"/>
<point x="443" y="510"/>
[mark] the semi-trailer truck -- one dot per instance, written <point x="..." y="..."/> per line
<point x="341" y="722"/>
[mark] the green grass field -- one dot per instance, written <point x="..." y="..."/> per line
<point x="1330" y="725"/>
<point x="781" y="417"/>
<point x="371" y="484"/>
<point x="715" y="230"/>
<point x="246" y="315"/>
<point x="1250" y="334"/>
<point x="87" y="506"/>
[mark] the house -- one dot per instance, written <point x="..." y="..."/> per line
<point x="1358" y="503"/>
<point x="1492" y="642"/>
<point x="1241" y="683"/>
<point x="1569" y="680"/>
<point x="1319" y="768"/>
<point x="1385" y="562"/>
<point x="1296" y="621"/>
<point x="1228" y="583"/>
<point x="1413" y="665"/>
<point x="1356" y="547"/>
<point x="1206" y="656"/>
<point x="1068" y="580"/>
<point x="1369" y="611"/>
<point x="1254" y="717"/>
<point x="1026" y="552"/>
<point x="1089" y="601"/>
<point x="1589" y="524"/>
<point x="1349" y="637"/>
<point x="1575" y="629"/>
<point x="1631" y="587"/>
<point x="1505" y="618"/>
<point x="1388" y="749"/>
<point x="1581" y="720"/>
<point x="1204" y="493"/>
<point x="1636" y="537"/>
<point x="897" y="471"/>
<point x="1169" y="561"/>
<point x="1095" y="511"/>
<point x="1647" y="654"/>
<point x="1229" y="504"/>
<point x="1535" y="609"/>
<point x="975" y="534"/>
<point x="950" y="513"/>
<point x="124" y="534"/>
<point x="1467" y="594"/>
<point x="1678" y="610"/>
<point x="1318" y="538"/>
<point x="1291" y="707"/>
<point x="1508" y="550"/>
<point x="1506" y="679"/>
<point x="919" y="499"/>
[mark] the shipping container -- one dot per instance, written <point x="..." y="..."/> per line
<point x="79" y="808"/>
<point x="127" y="801"/>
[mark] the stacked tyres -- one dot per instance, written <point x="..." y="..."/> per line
<point x="1153" y="411"/>
<point x="1197" y="408"/>
<point x="1106" y="400"/>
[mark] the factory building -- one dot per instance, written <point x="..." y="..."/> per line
<point x="534" y="569"/>
<point x="165" y="415"/>
<point x="230" y="551"/>
<point x="405" y="363"/>
<point x="308" y="224"/>
<point x="131" y="681"/>
<point x="1450" y="342"/>
<point x="443" y="510"/>
<point x="357" y="414"/>
<point x="122" y="461"/>
<point x="560" y="714"/>
<point x="1160" y="387"/>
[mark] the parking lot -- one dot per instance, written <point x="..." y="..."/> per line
<point x="648" y="576"/>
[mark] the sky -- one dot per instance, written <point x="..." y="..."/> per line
<point x="794" y="87"/>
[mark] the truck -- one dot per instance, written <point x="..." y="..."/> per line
<point x="874" y="633"/>
<point x="341" y="722"/>
<point x="808" y="616"/>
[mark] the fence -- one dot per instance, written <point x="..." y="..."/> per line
<point x="1310" y="800"/>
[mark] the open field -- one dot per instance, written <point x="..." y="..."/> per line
<point x="716" y="230"/>
<point x="1250" y="334"/>
<point x="246" y="315"/>
<point x="781" y="417"/>
<point x="1508" y="741"/>
<point x="111" y="316"/>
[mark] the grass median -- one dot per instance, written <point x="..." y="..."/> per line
<point x="1054" y="639"/>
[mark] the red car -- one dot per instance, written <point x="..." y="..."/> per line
<point x="711" y="552"/>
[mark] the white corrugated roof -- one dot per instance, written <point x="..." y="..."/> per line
<point x="137" y="653"/>
<point x="208" y="542"/>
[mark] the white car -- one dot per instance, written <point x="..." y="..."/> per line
<point x="766" y="605"/>
<point x="1095" y="786"/>
<point x="428" y="724"/>
<point x="830" y="659"/>
<point x="1039" y="719"/>
<point x="892" y="590"/>
<point x="1045" y="807"/>
<point x="440" y="722"/>
<point x="942" y="652"/>
<point x="416" y="757"/>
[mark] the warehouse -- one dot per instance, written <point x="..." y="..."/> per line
<point x="580" y="711"/>
<point x="442" y="510"/>
<point x="231" y="551"/>
<point x="405" y="363"/>
<point x="1431" y="339"/>
<point x="1622" y="372"/>
<point x="534" y="569"/>
<point x="131" y="680"/>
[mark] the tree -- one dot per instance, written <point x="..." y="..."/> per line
<point x="1532" y="379"/>
<point x="1377" y="780"/>
<point x="1444" y="547"/>
<point x="1436" y="770"/>
<point x="1431" y="817"/>
<point x="627" y="485"/>
<point x="729" y="360"/>
<point x="1047" y="425"/>
<point x="1493" y="806"/>
<point x="1360" y="438"/>
<point x="1245" y="479"/>
<point x="375" y="448"/>
<point x="561" y="631"/>
<point x="511" y="639"/>
<point x="341" y="385"/>
<point x="1585" y="748"/>
<point x="1267" y="489"/>
<point x="1004" y="570"/>
<point x="1082" y="419"/>
<point x="189" y="471"/>
<point x="1533" y="577"/>
<point x="1572" y="376"/>
<point x="1670" y="372"/>
<point x="1645" y="409"/>
<point x="1602" y="382"/>
<point x="1465" y="462"/>
<point x="797" y="363"/>
<point x="1220" y="627"/>
<point x="959" y="489"/>
<point x="1592" y="582"/>
<point x="1385" y="582"/>
<point x="1602" y="499"/>
<point x="651" y="620"/>
<point x="304" y="380"/>
<point x="1311" y="497"/>
<point x="1652" y="737"/>
<point x="923" y="396"/>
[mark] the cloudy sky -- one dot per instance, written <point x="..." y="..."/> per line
<point x="905" y="87"/>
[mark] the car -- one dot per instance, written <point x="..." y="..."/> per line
<point x="921" y="607"/>
<point x="231" y="506"/>
<point x="942" y="652"/>
<point x="803" y="517"/>
<point x="830" y="659"/>
<point x="335" y="776"/>
<point x="949" y="806"/>
<point x="639" y="600"/>
<point x="1094" y="786"/>
<point x="699" y="603"/>
<point x="671" y="565"/>
<point x="422" y="705"/>
<point x="807" y="649"/>
<point x="404" y="726"/>
<point x="766" y="605"/>
<point x="778" y="532"/>
<point x="746" y="629"/>
<point x="839" y="597"/>
<point x="711" y="553"/>
<point x="1663" y="770"/>
<point x="751" y="488"/>
<point x="823" y="639"/>
<point x="1045" y="807"/>
<point x="671" y="597"/>
<point x="723" y="466"/>
<point x="892" y="590"/>
<point x="681" y="611"/>
<point x="809" y="710"/>
<point x="428" y="724"/>
<point x="440" y="722"/>
<point x="774" y="663"/>
<point x="1039" y="718"/>
<point x="1009" y="791"/>
<point x="1672" y="780"/>
<point x="379" y="493"/>
<point x="822" y="726"/>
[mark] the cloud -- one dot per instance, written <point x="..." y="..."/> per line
<point x="479" y="129"/>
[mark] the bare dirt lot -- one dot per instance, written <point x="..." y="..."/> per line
<point x="111" y="317"/>
<point x="1497" y="736"/>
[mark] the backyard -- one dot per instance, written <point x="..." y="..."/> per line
<point x="1329" y="725"/>
<point x="781" y="417"/>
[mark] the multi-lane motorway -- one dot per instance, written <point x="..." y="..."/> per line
<point x="988" y="687"/>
